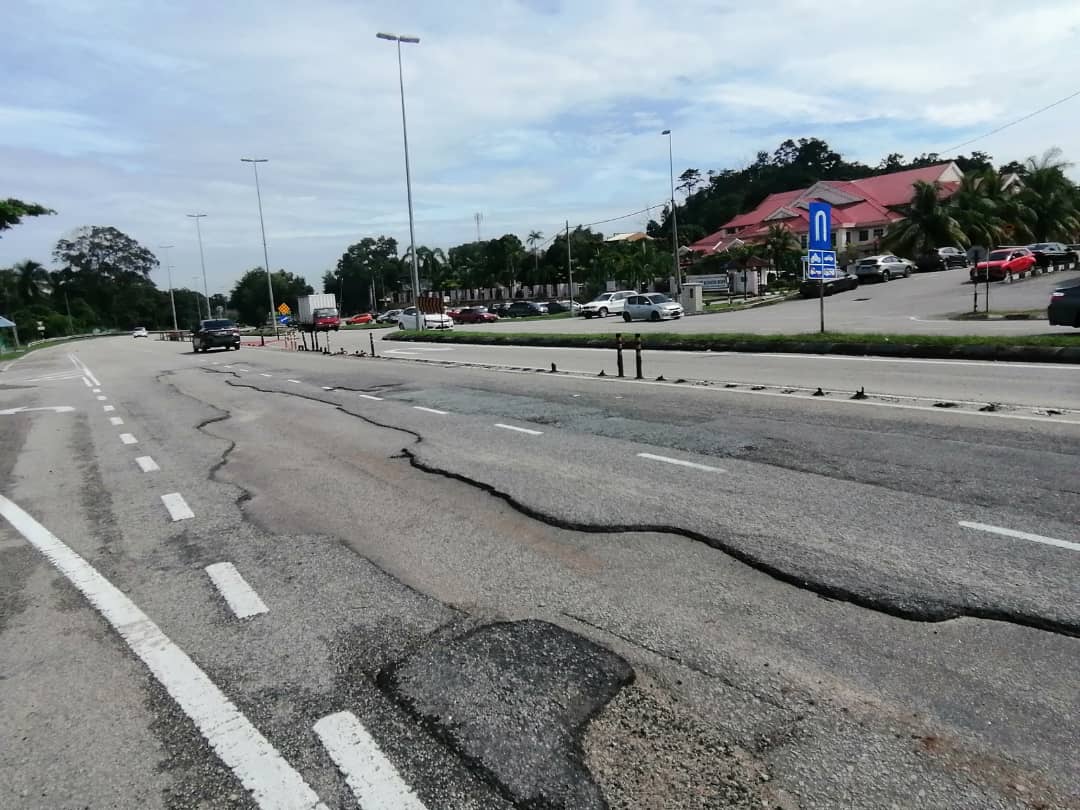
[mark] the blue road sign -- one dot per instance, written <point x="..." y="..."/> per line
<point x="820" y="226"/>
<point x="821" y="264"/>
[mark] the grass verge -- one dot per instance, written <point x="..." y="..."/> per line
<point x="10" y="353"/>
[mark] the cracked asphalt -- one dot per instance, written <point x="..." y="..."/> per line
<point x="532" y="591"/>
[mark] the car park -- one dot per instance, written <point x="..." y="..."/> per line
<point x="1004" y="265"/>
<point x="1064" y="309"/>
<point x="884" y="267"/>
<point x="139" y="331"/>
<point x="811" y="288"/>
<point x="651" y="307"/>
<point x="362" y="318"/>
<point x="218" y="333"/>
<point x="609" y="303"/>
<point x="526" y="309"/>
<point x="942" y="258"/>
<point x="432" y="320"/>
<point x="474" y="315"/>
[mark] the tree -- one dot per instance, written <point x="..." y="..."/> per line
<point x="533" y="239"/>
<point x="690" y="180"/>
<point x="250" y="298"/>
<point x="12" y="212"/>
<point x="929" y="224"/>
<point x="975" y="208"/>
<point x="33" y="282"/>
<point x="365" y="264"/>
<point x="1051" y="197"/>
<point x="782" y="248"/>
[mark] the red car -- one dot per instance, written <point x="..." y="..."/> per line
<point x="363" y="317"/>
<point x="1004" y="265"/>
<point x="474" y="315"/>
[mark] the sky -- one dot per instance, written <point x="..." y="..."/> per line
<point x="134" y="113"/>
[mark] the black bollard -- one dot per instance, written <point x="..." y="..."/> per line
<point x="618" y="349"/>
<point x="371" y="337"/>
<point x="637" y="355"/>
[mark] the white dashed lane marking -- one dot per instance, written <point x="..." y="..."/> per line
<point x="127" y="438"/>
<point x="679" y="462"/>
<point x="177" y="506"/>
<point x="273" y="783"/>
<point x="101" y="397"/>
<point x="430" y="410"/>
<point x="296" y="382"/>
<point x="519" y="429"/>
<point x="240" y="596"/>
<point x="1034" y="538"/>
<point x="115" y="421"/>
<point x="369" y="396"/>
<point x="109" y="408"/>
<point x="264" y="374"/>
<point x="147" y="464"/>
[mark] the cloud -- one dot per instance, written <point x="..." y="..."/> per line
<point x="530" y="111"/>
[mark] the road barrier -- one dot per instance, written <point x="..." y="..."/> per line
<point x="638" y="345"/>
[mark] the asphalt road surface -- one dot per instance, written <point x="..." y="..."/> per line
<point x="288" y="580"/>
<point x="916" y="305"/>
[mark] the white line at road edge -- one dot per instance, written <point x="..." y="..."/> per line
<point x="430" y="410"/>
<point x="519" y="429"/>
<point x="177" y="506"/>
<point x="127" y="438"/>
<point x="147" y="464"/>
<point x="109" y="408"/>
<point x="692" y="464"/>
<point x="240" y="596"/>
<point x="87" y="381"/>
<point x="370" y="396"/>
<point x="115" y="421"/>
<point x="273" y="783"/>
<point x="1034" y="538"/>
<point x="374" y="780"/>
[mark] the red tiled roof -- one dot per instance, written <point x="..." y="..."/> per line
<point x="895" y="188"/>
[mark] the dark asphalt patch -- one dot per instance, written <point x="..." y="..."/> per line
<point x="513" y="699"/>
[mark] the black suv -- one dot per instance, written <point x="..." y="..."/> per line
<point x="1051" y="254"/>
<point x="944" y="258"/>
<point x="525" y="309"/>
<point x="215" y="334"/>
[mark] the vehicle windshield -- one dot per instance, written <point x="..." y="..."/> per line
<point x="604" y="297"/>
<point x="869" y="261"/>
<point x="1042" y="246"/>
<point x="216" y="325"/>
<point x="658" y="298"/>
<point x="999" y="255"/>
<point x="326" y="312"/>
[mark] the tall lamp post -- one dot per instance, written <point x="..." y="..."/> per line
<point x="168" y="269"/>
<point x="674" y="221"/>
<point x="202" y="261"/>
<point x="408" y="178"/>
<point x="198" y="304"/>
<point x="262" y="226"/>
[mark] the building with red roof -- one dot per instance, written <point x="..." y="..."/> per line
<point x="862" y="209"/>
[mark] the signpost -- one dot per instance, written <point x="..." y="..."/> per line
<point x="821" y="258"/>
<point x="283" y="308"/>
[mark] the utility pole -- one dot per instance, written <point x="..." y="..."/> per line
<point x="674" y="219"/>
<point x="202" y="260"/>
<point x="262" y="226"/>
<point x="570" y="268"/>
<point x="478" y="217"/>
<point x="168" y="269"/>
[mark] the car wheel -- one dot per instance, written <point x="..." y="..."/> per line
<point x="626" y="317"/>
<point x="885" y="276"/>
<point x="603" y="312"/>
<point x="655" y="316"/>
<point x="907" y="272"/>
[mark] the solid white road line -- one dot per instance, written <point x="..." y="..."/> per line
<point x="430" y="410"/>
<point x="101" y="398"/>
<point x="88" y="383"/>
<point x="273" y="783"/>
<point x="147" y="464"/>
<point x="53" y="408"/>
<point x="693" y="465"/>
<point x="84" y="369"/>
<point x="297" y="382"/>
<point x="520" y="429"/>
<point x="115" y="421"/>
<point x="177" y="506"/>
<point x="240" y="596"/>
<point x="1034" y="538"/>
<point x="369" y="396"/>
<point x="109" y="408"/>
<point x="127" y="438"/>
<point x="374" y="780"/>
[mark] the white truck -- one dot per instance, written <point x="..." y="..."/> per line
<point x="317" y="313"/>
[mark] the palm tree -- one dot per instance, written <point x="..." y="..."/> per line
<point x="1051" y="196"/>
<point x="928" y="225"/>
<point x="780" y="245"/>
<point x="532" y="240"/>
<point x="33" y="281"/>
<point x="977" y="208"/>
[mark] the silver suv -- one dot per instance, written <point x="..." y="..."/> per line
<point x="884" y="267"/>
<point x="609" y="303"/>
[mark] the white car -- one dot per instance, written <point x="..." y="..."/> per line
<point x="651" y="307"/>
<point x="610" y="303"/>
<point x="407" y="320"/>
<point x="139" y="331"/>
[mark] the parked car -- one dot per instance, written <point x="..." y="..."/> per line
<point x="215" y="334"/>
<point x="884" y="267"/>
<point x="555" y="307"/>
<point x="810" y="287"/>
<point x="407" y="320"/>
<point x="1004" y="265"/>
<point x="609" y="303"/>
<point x="1051" y="254"/>
<point x="139" y="331"/>
<point x="525" y="309"/>
<point x="651" y="307"/>
<point x="499" y="309"/>
<point x="390" y="316"/>
<point x="356" y="320"/>
<point x="474" y="315"/>
<point x="1064" y="309"/>
<point x="943" y="258"/>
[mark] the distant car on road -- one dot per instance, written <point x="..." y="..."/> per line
<point x="525" y="309"/>
<point x="1004" y="265"/>
<point x="474" y="315"/>
<point x="810" y="287"/>
<point x="884" y="267"/>
<point x="609" y="303"/>
<point x="139" y="331"/>
<point x="390" y="316"/>
<point x="651" y="307"/>
<point x="217" y="333"/>
<point x="944" y="258"/>
<point x="362" y="318"/>
<point x="1051" y="254"/>
<point x="407" y="320"/>
<point x="1064" y="309"/>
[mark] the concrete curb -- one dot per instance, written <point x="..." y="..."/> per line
<point x="898" y="349"/>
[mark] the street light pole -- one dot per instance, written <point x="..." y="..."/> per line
<point x="198" y="304"/>
<point x="168" y="269"/>
<point x="262" y="226"/>
<point x="674" y="220"/>
<point x="202" y="261"/>
<point x="408" y="177"/>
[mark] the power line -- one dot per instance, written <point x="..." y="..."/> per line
<point x="1010" y="124"/>
<point x="557" y="232"/>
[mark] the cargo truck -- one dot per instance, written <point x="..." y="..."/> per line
<point x="317" y="313"/>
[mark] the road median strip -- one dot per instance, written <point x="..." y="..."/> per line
<point x="1021" y="348"/>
